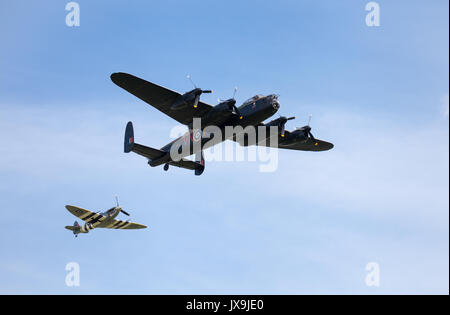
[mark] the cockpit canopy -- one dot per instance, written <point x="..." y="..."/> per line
<point x="111" y="210"/>
<point x="253" y="99"/>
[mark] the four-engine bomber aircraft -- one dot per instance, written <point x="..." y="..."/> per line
<point x="100" y="220"/>
<point x="185" y="107"/>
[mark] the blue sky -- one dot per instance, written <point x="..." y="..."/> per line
<point x="381" y="195"/>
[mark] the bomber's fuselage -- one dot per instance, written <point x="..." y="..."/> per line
<point x="252" y="112"/>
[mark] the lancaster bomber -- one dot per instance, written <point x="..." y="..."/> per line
<point x="184" y="108"/>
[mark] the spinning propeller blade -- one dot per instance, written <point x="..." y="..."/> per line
<point x="308" y="128"/>
<point x="121" y="210"/>
<point x="282" y="124"/>
<point x="189" y="78"/>
<point x="232" y="103"/>
<point x="197" y="98"/>
<point x="197" y="91"/>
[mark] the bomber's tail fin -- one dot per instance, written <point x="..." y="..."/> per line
<point x="157" y="157"/>
<point x="129" y="138"/>
<point x="201" y="163"/>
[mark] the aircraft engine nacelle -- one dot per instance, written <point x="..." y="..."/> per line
<point x="295" y="136"/>
<point x="190" y="98"/>
<point x="220" y="113"/>
<point x="183" y="100"/>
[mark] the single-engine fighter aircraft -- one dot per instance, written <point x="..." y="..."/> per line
<point x="100" y="220"/>
<point x="185" y="107"/>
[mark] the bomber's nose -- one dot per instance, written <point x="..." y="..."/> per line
<point x="275" y="103"/>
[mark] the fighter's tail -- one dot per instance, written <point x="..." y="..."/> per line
<point x="75" y="228"/>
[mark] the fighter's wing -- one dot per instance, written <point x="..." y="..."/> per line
<point x="78" y="212"/>
<point x="125" y="225"/>
<point x="159" y="97"/>
<point x="93" y="218"/>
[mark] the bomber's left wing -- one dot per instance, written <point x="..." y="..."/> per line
<point x="159" y="97"/>
<point x="124" y="225"/>
<point x="296" y="140"/>
<point x="308" y="145"/>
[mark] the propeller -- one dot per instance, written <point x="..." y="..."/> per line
<point x="197" y="92"/>
<point x="282" y="123"/>
<point x="232" y="103"/>
<point x="121" y="210"/>
<point x="124" y="212"/>
<point x="189" y="78"/>
<point x="234" y="91"/>
<point x="307" y="128"/>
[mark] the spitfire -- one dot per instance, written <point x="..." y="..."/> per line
<point x="100" y="220"/>
<point x="184" y="108"/>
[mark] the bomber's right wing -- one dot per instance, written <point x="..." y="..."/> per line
<point x="159" y="97"/>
